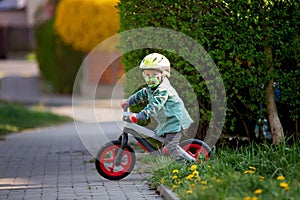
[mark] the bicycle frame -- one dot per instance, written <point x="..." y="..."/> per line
<point x="139" y="133"/>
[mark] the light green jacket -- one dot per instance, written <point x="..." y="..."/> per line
<point x="164" y="105"/>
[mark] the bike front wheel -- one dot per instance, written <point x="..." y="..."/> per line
<point x="105" y="161"/>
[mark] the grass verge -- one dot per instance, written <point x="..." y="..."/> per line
<point x="249" y="173"/>
<point x="15" y="118"/>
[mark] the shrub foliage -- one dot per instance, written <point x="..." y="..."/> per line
<point x="253" y="43"/>
<point x="58" y="62"/>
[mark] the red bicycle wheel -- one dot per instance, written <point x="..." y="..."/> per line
<point x="196" y="148"/>
<point x="106" y="157"/>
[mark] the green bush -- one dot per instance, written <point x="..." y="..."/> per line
<point x="236" y="34"/>
<point x="58" y="62"/>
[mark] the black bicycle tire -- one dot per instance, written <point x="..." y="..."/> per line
<point x="103" y="173"/>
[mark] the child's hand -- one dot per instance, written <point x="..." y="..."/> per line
<point x="124" y="104"/>
<point x="133" y="117"/>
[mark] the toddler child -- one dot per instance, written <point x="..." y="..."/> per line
<point x="164" y="103"/>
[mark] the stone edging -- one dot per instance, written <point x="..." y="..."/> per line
<point x="167" y="193"/>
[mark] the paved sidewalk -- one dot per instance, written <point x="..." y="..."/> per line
<point x="51" y="163"/>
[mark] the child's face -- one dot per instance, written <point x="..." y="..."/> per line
<point x="152" y="77"/>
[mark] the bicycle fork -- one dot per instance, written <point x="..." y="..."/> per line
<point x="181" y="152"/>
<point x="119" y="152"/>
<point x="185" y="155"/>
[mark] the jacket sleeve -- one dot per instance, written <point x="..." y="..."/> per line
<point x="155" y="104"/>
<point x="138" y="97"/>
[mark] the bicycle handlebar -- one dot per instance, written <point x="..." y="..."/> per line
<point x="126" y="115"/>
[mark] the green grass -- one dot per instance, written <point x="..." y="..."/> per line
<point x="15" y="118"/>
<point x="254" y="172"/>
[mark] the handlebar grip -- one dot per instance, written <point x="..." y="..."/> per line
<point x="134" y="120"/>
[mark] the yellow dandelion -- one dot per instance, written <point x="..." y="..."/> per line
<point x="203" y="182"/>
<point x="174" y="186"/>
<point x="190" y="177"/>
<point x="250" y="198"/>
<point x="174" y="177"/>
<point x="204" y="188"/>
<point x="258" y="191"/>
<point x="261" y="178"/>
<point x="280" y="178"/>
<point x="192" y="185"/>
<point x="284" y="185"/>
<point x="193" y="167"/>
<point x="208" y="166"/>
<point x="252" y="168"/>
<point x="195" y="173"/>
<point x="248" y="172"/>
<point x="179" y="182"/>
<point x="175" y="171"/>
<point x="189" y="191"/>
<point x="219" y="180"/>
<point x="162" y="180"/>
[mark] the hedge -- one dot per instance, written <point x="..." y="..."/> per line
<point x="57" y="61"/>
<point x="236" y="35"/>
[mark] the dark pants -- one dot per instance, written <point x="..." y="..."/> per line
<point x="171" y="142"/>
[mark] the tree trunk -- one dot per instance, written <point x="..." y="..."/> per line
<point x="275" y="124"/>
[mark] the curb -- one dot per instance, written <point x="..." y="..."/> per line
<point x="167" y="193"/>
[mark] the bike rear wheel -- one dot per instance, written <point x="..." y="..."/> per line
<point x="196" y="148"/>
<point x="105" y="161"/>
